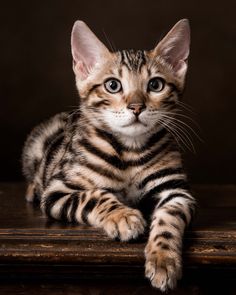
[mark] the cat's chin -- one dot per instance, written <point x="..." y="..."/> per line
<point x="134" y="130"/>
<point x="133" y="136"/>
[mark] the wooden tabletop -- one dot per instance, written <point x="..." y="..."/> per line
<point x="32" y="244"/>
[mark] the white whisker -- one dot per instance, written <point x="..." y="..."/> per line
<point x="183" y="123"/>
<point x="181" y="135"/>
<point x="185" y="134"/>
<point x="185" y="106"/>
<point x="175" y="134"/>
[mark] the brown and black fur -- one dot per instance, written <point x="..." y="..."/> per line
<point x="84" y="170"/>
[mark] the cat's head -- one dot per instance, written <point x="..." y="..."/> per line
<point x="129" y="92"/>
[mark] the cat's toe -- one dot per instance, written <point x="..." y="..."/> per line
<point x="163" y="269"/>
<point x="125" y="224"/>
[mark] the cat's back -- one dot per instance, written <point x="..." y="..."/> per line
<point x="41" y="140"/>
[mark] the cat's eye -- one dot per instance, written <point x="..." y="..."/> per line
<point x="113" y="85"/>
<point x="156" y="84"/>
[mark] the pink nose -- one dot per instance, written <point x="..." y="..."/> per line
<point x="137" y="108"/>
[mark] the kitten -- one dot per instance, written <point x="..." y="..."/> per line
<point x="113" y="163"/>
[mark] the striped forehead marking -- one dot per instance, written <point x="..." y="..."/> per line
<point x="133" y="59"/>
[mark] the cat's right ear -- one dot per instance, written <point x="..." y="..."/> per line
<point x="87" y="50"/>
<point x="174" y="47"/>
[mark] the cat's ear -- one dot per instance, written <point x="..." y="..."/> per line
<point x="174" y="47"/>
<point x="87" y="50"/>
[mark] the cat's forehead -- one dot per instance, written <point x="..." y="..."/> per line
<point x="139" y="61"/>
<point x="134" y="60"/>
<point x="137" y="65"/>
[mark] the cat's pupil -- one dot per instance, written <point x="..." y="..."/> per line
<point x="154" y="84"/>
<point x="113" y="85"/>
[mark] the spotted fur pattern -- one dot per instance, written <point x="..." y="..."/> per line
<point x="98" y="166"/>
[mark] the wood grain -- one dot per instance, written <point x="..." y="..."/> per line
<point x="30" y="244"/>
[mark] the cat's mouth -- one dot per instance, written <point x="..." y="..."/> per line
<point x="135" y="122"/>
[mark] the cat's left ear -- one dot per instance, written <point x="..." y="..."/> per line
<point x="174" y="47"/>
<point x="87" y="50"/>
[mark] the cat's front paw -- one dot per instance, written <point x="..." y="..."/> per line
<point x="124" y="223"/>
<point x="163" y="267"/>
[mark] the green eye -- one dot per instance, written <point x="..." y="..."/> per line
<point x="113" y="85"/>
<point x="156" y="84"/>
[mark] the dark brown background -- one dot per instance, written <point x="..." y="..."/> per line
<point x="36" y="79"/>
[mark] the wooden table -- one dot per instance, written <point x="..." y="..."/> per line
<point x="35" y="248"/>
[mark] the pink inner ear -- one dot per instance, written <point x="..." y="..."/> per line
<point x="80" y="69"/>
<point x="177" y="55"/>
<point x="174" y="47"/>
<point x="181" y="67"/>
<point x="87" y="50"/>
<point x="180" y="49"/>
<point x="176" y="51"/>
<point x="83" y="60"/>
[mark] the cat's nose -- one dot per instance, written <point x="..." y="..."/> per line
<point x="137" y="108"/>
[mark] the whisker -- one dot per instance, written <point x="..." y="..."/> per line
<point x="179" y="129"/>
<point x="112" y="46"/>
<point x="182" y="115"/>
<point x="175" y="114"/>
<point x="186" y="137"/>
<point x="175" y="134"/>
<point x="186" y="125"/>
<point x="185" y="106"/>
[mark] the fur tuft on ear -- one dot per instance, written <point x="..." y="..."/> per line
<point x="87" y="50"/>
<point x="174" y="47"/>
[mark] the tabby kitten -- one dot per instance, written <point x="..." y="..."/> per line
<point x="113" y="163"/>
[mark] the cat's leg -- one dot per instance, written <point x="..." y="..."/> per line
<point x="164" y="248"/>
<point x="98" y="207"/>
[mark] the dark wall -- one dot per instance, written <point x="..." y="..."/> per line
<point x="36" y="79"/>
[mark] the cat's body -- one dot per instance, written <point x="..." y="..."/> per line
<point x="113" y="163"/>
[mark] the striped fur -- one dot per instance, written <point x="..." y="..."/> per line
<point x="98" y="166"/>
